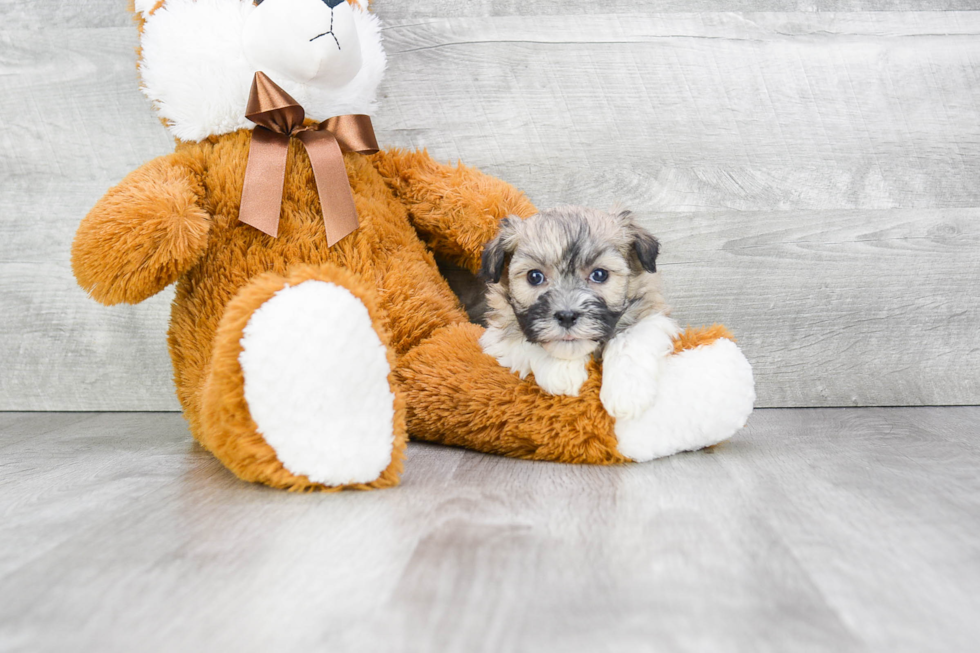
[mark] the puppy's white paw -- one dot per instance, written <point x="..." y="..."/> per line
<point x="557" y="376"/>
<point x="632" y="364"/>
<point x="628" y="389"/>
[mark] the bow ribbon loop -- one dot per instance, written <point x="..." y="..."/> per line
<point x="278" y="118"/>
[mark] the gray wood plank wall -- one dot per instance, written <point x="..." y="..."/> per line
<point x="813" y="175"/>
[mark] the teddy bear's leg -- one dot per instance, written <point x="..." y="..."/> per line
<point x="298" y="393"/>
<point x="458" y="395"/>
<point x="455" y="394"/>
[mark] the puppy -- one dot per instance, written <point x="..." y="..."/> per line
<point x="573" y="282"/>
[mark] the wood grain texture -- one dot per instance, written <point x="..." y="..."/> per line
<point x="28" y="14"/>
<point x="393" y="9"/>
<point x="812" y="530"/>
<point x="812" y="174"/>
<point x="74" y="125"/>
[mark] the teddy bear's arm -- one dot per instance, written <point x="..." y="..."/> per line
<point x="144" y="233"/>
<point x="455" y="209"/>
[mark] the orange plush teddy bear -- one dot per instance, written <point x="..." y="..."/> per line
<point x="311" y="332"/>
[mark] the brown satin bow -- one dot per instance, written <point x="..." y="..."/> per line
<point x="278" y="118"/>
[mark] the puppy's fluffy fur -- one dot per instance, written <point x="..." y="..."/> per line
<point x="572" y="282"/>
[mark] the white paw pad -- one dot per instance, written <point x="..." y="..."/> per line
<point x="316" y="383"/>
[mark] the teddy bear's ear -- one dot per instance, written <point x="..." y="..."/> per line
<point x="646" y="248"/>
<point x="496" y="251"/>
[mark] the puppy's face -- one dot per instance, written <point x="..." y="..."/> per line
<point x="566" y="276"/>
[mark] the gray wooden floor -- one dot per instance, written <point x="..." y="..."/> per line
<point x="815" y="529"/>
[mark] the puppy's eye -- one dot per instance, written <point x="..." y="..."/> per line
<point x="535" y="277"/>
<point x="599" y="276"/>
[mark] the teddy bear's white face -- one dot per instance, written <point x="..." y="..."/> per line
<point x="199" y="57"/>
<point x="310" y="41"/>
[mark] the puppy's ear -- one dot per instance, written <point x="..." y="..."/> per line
<point x="496" y="251"/>
<point x="646" y="248"/>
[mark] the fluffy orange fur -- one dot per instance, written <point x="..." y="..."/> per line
<point x="697" y="336"/>
<point x="152" y="225"/>
<point x="455" y="394"/>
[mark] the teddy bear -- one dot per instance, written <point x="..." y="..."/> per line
<point x="312" y="333"/>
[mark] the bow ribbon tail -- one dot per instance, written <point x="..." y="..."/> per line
<point x="262" y="190"/>
<point x="278" y="118"/>
<point x="332" y="185"/>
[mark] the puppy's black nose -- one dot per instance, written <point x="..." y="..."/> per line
<point x="566" y="318"/>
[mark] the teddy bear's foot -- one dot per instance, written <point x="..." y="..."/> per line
<point x="313" y="407"/>
<point x="706" y="394"/>
<point x="316" y="384"/>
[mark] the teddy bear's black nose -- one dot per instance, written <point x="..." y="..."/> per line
<point x="333" y="3"/>
<point x="566" y="318"/>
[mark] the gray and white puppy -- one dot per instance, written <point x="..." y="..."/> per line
<point x="571" y="282"/>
